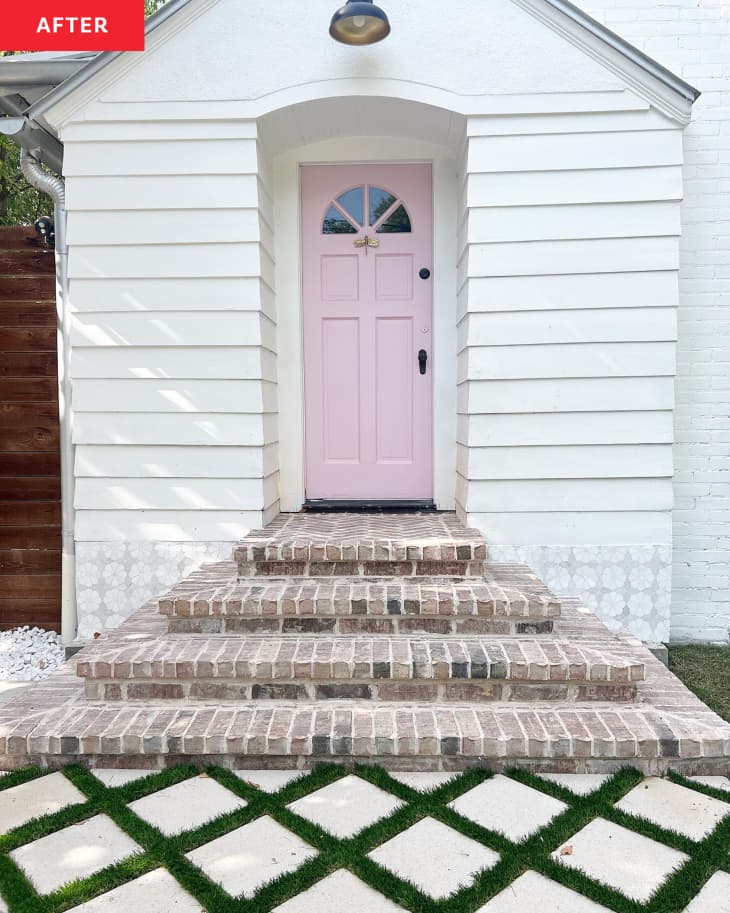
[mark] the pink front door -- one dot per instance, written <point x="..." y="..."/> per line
<point x="367" y="257"/>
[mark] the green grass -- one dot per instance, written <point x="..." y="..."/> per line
<point x="705" y="857"/>
<point x="706" y="671"/>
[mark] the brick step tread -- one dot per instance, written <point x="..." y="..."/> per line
<point x="311" y="536"/>
<point x="504" y="590"/>
<point x="225" y="594"/>
<point x="452" y="734"/>
<point x="346" y="658"/>
<point x="446" y="625"/>
<point x="477" y="691"/>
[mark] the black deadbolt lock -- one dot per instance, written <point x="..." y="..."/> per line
<point x="424" y="273"/>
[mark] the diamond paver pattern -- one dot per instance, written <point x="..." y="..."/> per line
<point x="426" y="841"/>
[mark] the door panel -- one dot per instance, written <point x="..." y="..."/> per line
<point x="394" y="389"/>
<point x="341" y="389"/>
<point x="366" y="233"/>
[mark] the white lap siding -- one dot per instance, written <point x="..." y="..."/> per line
<point x="567" y="335"/>
<point x="173" y="358"/>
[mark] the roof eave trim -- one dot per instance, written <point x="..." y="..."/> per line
<point x="666" y="91"/>
<point x="100" y="62"/>
<point x="655" y="69"/>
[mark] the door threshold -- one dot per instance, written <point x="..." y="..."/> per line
<point x="325" y="504"/>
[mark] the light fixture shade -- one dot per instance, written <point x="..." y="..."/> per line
<point x="359" y="22"/>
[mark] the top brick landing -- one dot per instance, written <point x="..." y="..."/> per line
<point x="321" y="544"/>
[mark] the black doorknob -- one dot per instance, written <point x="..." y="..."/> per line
<point x="422" y="359"/>
<point x="424" y="273"/>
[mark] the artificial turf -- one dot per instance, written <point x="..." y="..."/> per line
<point x="705" y="857"/>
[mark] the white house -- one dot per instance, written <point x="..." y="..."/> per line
<point x="443" y="268"/>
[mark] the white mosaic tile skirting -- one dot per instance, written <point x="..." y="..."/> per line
<point x="113" y="579"/>
<point x="627" y="586"/>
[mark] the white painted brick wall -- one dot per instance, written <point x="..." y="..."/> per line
<point x="692" y="38"/>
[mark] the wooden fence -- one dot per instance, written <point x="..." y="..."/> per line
<point x="30" y="481"/>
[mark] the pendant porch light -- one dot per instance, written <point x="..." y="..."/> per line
<point x="359" y="22"/>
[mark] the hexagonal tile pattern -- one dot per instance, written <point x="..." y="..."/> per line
<point x="251" y="856"/>
<point x="155" y="892"/>
<point x="504" y="805"/>
<point x="112" y="777"/>
<point x="675" y="807"/>
<point x="74" y="852"/>
<point x="327" y="897"/>
<point x="714" y="896"/>
<point x="186" y="805"/>
<point x="346" y="806"/>
<point x="535" y="892"/>
<point x="436" y="858"/>
<point x="423" y="781"/>
<point x="580" y="784"/>
<point x="43" y="796"/>
<point x="270" y="781"/>
<point x="628" y="862"/>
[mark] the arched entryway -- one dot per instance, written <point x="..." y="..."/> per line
<point x="407" y="438"/>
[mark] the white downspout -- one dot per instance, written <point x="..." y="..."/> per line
<point x="55" y="188"/>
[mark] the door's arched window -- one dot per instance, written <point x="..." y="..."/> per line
<point x="366" y="206"/>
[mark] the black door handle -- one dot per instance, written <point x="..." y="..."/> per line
<point x="422" y="359"/>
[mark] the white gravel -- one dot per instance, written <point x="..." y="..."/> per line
<point x="29" y="654"/>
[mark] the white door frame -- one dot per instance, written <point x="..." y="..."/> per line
<point x="287" y="219"/>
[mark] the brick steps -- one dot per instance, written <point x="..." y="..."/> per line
<point x="422" y="672"/>
<point x="405" y="736"/>
<point x="214" y="600"/>
<point x="345" y="668"/>
<point x="362" y="545"/>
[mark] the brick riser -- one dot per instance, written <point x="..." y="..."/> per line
<point x="360" y="624"/>
<point x="470" y="691"/>
<point x="450" y="568"/>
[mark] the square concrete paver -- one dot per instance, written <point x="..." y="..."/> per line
<point x="43" y="796"/>
<point x="423" y="781"/>
<point x="436" y="858"/>
<point x="580" y="784"/>
<point x="715" y="782"/>
<point x="504" y="805"/>
<point x="155" y="892"/>
<point x="341" y="890"/>
<point x="674" y="807"/>
<point x="628" y="862"/>
<point x="714" y="896"/>
<point x="186" y="805"/>
<point x="270" y="781"/>
<point x="111" y="777"/>
<point x="346" y="806"/>
<point x="74" y="852"/>
<point x="535" y="892"/>
<point x="251" y="856"/>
